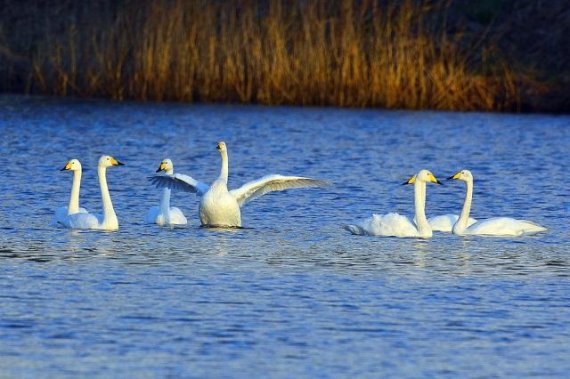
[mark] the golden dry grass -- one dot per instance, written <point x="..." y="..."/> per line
<point x="391" y="54"/>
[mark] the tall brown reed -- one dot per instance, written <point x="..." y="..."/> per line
<point x="392" y="54"/>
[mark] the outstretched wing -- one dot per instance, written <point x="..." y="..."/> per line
<point x="179" y="182"/>
<point x="253" y="190"/>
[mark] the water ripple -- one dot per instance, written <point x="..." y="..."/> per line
<point x="292" y="294"/>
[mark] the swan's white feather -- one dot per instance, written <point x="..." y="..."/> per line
<point x="61" y="216"/>
<point x="396" y="225"/>
<point x="107" y="221"/>
<point x="503" y="226"/>
<point x="179" y="182"/>
<point x="444" y="223"/>
<point x="270" y="183"/>
<point x="164" y="214"/>
<point x="220" y="207"/>
<point x="86" y="221"/>
<point x="175" y="217"/>
<point x="497" y="226"/>
<point x="388" y="225"/>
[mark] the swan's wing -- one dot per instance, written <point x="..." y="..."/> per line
<point x="179" y="182"/>
<point x="388" y="225"/>
<point x="270" y="183"/>
<point x="504" y="226"/>
<point x="442" y="223"/>
<point x="177" y="217"/>
<point x="357" y="230"/>
<point x="85" y="221"/>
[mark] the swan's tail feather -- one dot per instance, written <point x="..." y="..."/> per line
<point x="535" y="227"/>
<point x="356" y="230"/>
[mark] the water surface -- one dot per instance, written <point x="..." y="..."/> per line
<point x="292" y="294"/>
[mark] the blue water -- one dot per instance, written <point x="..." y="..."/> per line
<point x="292" y="294"/>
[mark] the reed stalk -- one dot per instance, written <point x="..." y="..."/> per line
<point x="367" y="53"/>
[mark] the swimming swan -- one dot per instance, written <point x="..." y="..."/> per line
<point x="163" y="214"/>
<point x="220" y="207"/>
<point x="62" y="213"/>
<point x="396" y="225"/>
<point x="107" y="221"/>
<point x="497" y="226"/>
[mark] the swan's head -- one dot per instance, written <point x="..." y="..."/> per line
<point x="72" y="165"/>
<point x="423" y="176"/>
<point x="464" y="175"/>
<point x="166" y="165"/>
<point x="221" y="147"/>
<point x="109" y="161"/>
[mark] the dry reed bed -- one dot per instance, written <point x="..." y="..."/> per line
<point x="391" y="54"/>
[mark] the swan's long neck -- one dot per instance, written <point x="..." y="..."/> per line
<point x="73" y="206"/>
<point x="225" y="164"/>
<point x="461" y="223"/>
<point x="165" y="197"/>
<point x="424" y="229"/>
<point x="109" y="216"/>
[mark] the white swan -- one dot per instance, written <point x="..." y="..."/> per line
<point x="62" y="213"/>
<point x="444" y="223"/>
<point x="497" y="226"/>
<point x="107" y="221"/>
<point x="220" y="207"/>
<point x="396" y="225"/>
<point x="163" y="214"/>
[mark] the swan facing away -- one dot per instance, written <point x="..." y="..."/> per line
<point x="62" y="213"/>
<point x="396" y="225"/>
<point x="107" y="221"/>
<point x="164" y="214"/>
<point x="496" y="226"/>
<point x="220" y="207"/>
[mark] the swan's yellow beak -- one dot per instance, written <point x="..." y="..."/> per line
<point x="162" y="167"/>
<point x="455" y="176"/>
<point x="412" y="180"/>
<point x="66" y="167"/>
<point x="115" y="162"/>
<point x="434" y="180"/>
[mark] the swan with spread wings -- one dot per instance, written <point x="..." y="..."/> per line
<point x="220" y="207"/>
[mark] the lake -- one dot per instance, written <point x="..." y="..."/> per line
<point x="292" y="294"/>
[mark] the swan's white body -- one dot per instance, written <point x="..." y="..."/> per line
<point x="62" y="213"/>
<point x="220" y="207"/>
<point x="444" y="223"/>
<point x="108" y="220"/>
<point x="164" y="214"/>
<point x="396" y="225"/>
<point x="497" y="226"/>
